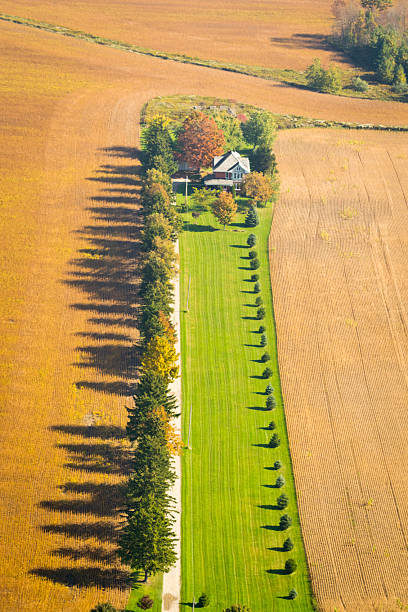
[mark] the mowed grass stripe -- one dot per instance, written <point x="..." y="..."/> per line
<point x="224" y="475"/>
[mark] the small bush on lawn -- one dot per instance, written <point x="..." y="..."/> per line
<point x="263" y="340"/>
<point x="265" y="357"/>
<point x="277" y="465"/>
<point x="252" y="254"/>
<point x="254" y="278"/>
<point x="287" y="545"/>
<point x="260" y="313"/>
<point x="290" y="566"/>
<point x="145" y="603"/>
<point x="269" y="389"/>
<point x="280" y="481"/>
<point x="267" y="373"/>
<point x="252" y="219"/>
<point x="254" y="263"/>
<point x="203" y="601"/>
<point x="257" y="288"/>
<point x="292" y="594"/>
<point x="251" y="240"/>
<point x="270" y="402"/>
<point x="282" y="502"/>
<point x="258" y="301"/>
<point x="262" y="329"/>
<point x="272" y="425"/>
<point x="274" y="442"/>
<point x="285" y="522"/>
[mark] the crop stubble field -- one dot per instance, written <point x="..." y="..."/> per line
<point x="68" y="298"/>
<point x="338" y="263"/>
<point x="262" y="32"/>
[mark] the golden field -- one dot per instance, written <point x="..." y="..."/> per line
<point x="68" y="249"/>
<point x="260" y="32"/>
<point x="338" y="263"/>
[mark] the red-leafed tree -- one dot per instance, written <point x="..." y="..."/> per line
<point x="200" y="140"/>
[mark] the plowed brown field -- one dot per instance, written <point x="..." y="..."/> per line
<point x="261" y="32"/>
<point x="68" y="236"/>
<point x="339" y="254"/>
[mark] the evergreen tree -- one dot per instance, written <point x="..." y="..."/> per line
<point x="158" y="149"/>
<point x="252" y="219"/>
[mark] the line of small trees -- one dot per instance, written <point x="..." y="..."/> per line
<point x="282" y="501"/>
<point x="147" y="541"/>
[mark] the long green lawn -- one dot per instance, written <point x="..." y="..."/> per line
<point x="231" y="542"/>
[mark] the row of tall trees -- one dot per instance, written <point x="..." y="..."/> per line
<point x="374" y="33"/>
<point x="147" y="541"/>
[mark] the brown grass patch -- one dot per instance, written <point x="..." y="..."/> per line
<point x="340" y="292"/>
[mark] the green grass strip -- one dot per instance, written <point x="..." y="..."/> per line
<point x="291" y="77"/>
<point x="153" y="588"/>
<point x="230" y="539"/>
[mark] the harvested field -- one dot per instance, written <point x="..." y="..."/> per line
<point x="264" y="33"/>
<point x="338" y="261"/>
<point x="68" y="296"/>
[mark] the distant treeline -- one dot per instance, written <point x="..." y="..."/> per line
<point x="374" y="33"/>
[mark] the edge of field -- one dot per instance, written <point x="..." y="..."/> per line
<point x="288" y="76"/>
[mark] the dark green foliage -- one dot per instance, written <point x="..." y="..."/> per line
<point x="380" y="5"/>
<point x="147" y="540"/>
<point x="277" y="465"/>
<point x="263" y="160"/>
<point x="145" y="603"/>
<point x="203" y="601"/>
<point x="274" y="442"/>
<point x="272" y="425"/>
<point x="287" y="545"/>
<point x="257" y="288"/>
<point x="237" y="608"/>
<point x="254" y="278"/>
<point x="282" y="502"/>
<point x="269" y="389"/>
<point x="251" y="240"/>
<point x="267" y="373"/>
<point x="258" y="301"/>
<point x="254" y="264"/>
<point x="158" y="149"/>
<point x="252" y="254"/>
<point x="264" y="340"/>
<point x="285" y="522"/>
<point x="320" y="79"/>
<point x="252" y="219"/>
<point x="270" y="402"/>
<point x="262" y="329"/>
<point x="280" y="481"/>
<point x="260" y="313"/>
<point x="104" y="607"/>
<point x="290" y="566"/>
<point x="265" y="357"/>
<point x="259" y="129"/>
<point x="292" y="594"/>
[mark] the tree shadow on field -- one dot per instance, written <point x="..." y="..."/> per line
<point x="104" y="280"/>
<point x="105" y="273"/>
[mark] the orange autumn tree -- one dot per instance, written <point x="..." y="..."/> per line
<point x="224" y="208"/>
<point x="200" y="140"/>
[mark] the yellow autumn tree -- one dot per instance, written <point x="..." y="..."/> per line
<point x="174" y="443"/>
<point x="161" y="357"/>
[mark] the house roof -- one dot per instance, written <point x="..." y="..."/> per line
<point x="225" y="163"/>
<point x="211" y="181"/>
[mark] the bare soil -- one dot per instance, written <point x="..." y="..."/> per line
<point x="338" y="263"/>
